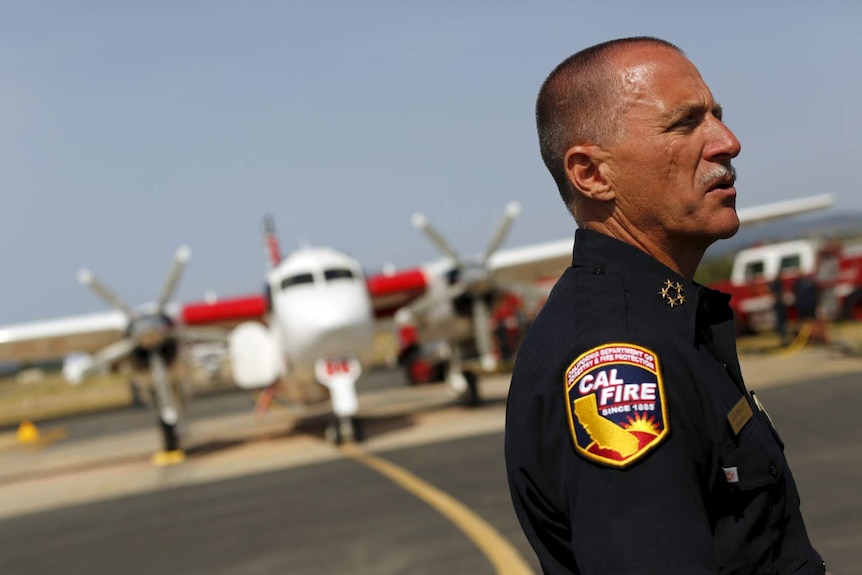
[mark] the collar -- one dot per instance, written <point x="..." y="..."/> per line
<point x="685" y="304"/>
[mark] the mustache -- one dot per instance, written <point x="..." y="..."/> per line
<point x="720" y="172"/>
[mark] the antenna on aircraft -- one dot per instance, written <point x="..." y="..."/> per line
<point x="270" y="241"/>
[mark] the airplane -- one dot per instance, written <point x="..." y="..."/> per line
<point x="319" y="330"/>
<point x="312" y="331"/>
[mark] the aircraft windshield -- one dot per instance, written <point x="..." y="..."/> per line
<point x="336" y="274"/>
<point x="297" y="280"/>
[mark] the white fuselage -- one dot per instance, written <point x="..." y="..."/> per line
<point x="321" y="309"/>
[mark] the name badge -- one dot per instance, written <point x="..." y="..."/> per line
<point x="739" y="415"/>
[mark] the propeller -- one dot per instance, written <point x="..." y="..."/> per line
<point x="151" y="336"/>
<point x="472" y="281"/>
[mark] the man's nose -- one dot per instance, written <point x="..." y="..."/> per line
<point x="722" y="142"/>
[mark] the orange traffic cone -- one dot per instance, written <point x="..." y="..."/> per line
<point x="27" y="432"/>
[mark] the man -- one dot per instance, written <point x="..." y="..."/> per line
<point x="806" y="294"/>
<point x="632" y="445"/>
<point x="776" y="287"/>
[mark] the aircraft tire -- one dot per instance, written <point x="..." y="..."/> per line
<point x="343" y="430"/>
<point x="170" y="437"/>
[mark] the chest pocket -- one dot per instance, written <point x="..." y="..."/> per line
<point x="751" y="500"/>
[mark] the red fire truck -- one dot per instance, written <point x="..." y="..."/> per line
<point x="835" y="266"/>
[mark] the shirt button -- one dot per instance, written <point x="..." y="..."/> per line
<point x="773" y="470"/>
<point x="598" y="270"/>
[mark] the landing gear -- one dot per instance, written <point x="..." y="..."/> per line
<point x="171" y="452"/>
<point x="472" y="398"/>
<point x="344" y="430"/>
<point x="463" y="382"/>
<point x="170" y="436"/>
<point x="169" y="408"/>
<point x="340" y="375"/>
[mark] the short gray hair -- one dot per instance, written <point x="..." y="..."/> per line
<point x="579" y="104"/>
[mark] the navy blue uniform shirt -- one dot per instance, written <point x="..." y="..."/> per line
<point x="632" y="445"/>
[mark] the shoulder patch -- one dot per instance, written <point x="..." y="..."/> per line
<point x="617" y="408"/>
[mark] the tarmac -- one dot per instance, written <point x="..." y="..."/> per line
<point x="54" y="471"/>
<point x="59" y="471"/>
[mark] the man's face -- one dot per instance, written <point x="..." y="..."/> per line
<point x="671" y="170"/>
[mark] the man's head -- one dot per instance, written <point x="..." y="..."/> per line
<point x="635" y="142"/>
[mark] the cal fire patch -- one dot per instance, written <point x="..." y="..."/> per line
<point x="617" y="408"/>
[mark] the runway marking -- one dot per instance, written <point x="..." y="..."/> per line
<point x="502" y="555"/>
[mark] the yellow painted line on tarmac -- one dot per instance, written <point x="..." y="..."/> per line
<point x="502" y="555"/>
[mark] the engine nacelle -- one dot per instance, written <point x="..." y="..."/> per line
<point x="255" y="357"/>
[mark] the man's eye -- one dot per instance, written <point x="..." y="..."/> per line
<point x="685" y="123"/>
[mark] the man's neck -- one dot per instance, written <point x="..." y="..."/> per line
<point x="683" y="257"/>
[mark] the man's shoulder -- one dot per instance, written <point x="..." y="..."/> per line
<point x="582" y="300"/>
<point x="584" y="309"/>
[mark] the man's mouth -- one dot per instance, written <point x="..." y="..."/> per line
<point x="722" y="183"/>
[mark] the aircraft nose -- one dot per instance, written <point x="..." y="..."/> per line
<point x="341" y="327"/>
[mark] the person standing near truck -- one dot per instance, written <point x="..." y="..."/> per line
<point x="776" y="286"/>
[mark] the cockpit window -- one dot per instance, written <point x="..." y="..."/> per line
<point x="337" y="274"/>
<point x="296" y="280"/>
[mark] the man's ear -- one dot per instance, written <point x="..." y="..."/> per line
<point x="587" y="172"/>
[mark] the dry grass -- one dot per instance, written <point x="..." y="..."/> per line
<point x="51" y="396"/>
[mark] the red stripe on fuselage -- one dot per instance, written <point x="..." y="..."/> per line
<point x="226" y="310"/>
<point x="392" y="291"/>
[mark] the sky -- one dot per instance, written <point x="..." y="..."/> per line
<point x="128" y="129"/>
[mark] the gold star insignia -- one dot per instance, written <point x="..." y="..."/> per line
<point x="671" y="293"/>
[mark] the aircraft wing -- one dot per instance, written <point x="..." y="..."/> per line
<point x="56" y="338"/>
<point x="533" y="263"/>
<point x="774" y="211"/>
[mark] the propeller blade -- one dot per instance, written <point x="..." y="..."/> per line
<point x="112" y="353"/>
<point x="512" y="211"/>
<point x="420" y="222"/>
<point x="76" y="369"/>
<point x="180" y="259"/>
<point x="167" y="410"/>
<point x="86" y="278"/>
<point x="482" y="333"/>
<point x="411" y="312"/>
